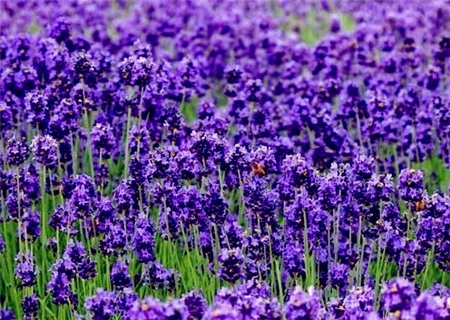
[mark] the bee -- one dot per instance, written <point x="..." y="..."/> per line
<point x="258" y="169"/>
<point x="420" y="205"/>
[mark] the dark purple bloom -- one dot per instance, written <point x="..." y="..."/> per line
<point x="26" y="270"/>
<point x="236" y="158"/>
<point x="293" y="259"/>
<point x="17" y="151"/>
<point x="102" y="305"/>
<point x="103" y="139"/>
<point x="216" y="208"/>
<point x="60" y="30"/>
<point x="411" y="185"/>
<point x="338" y="277"/>
<point x="120" y="277"/>
<point x="176" y="309"/>
<point x="104" y="214"/>
<point x="381" y="187"/>
<point x="231" y="262"/>
<point x="223" y="311"/>
<point x="298" y="171"/>
<point x="428" y="307"/>
<point x="139" y="140"/>
<point x="82" y="66"/>
<point x="114" y="240"/>
<point x="6" y="314"/>
<point x="87" y="269"/>
<point x="398" y="295"/>
<point x="62" y="218"/>
<point x="157" y="276"/>
<point x="60" y="289"/>
<point x="2" y="244"/>
<point x="143" y="245"/>
<point x="304" y="305"/>
<point x="125" y="300"/>
<point x="363" y="167"/>
<point x="136" y="71"/>
<point x="149" y="308"/>
<point x="30" y="307"/>
<point x="17" y="203"/>
<point x="64" y="266"/>
<point x="30" y="227"/>
<point x="358" y="303"/>
<point x="45" y="150"/>
<point x="188" y="72"/>
<point x="75" y="252"/>
<point x="439" y="290"/>
<point x="37" y="109"/>
<point x="234" y="75"/>
<point x="195" y="304"/>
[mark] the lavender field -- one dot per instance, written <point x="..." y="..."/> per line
<point x="224" y="159"/>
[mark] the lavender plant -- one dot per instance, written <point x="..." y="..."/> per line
<point x="265" y="159"/>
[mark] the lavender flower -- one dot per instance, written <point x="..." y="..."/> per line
<point x="59" y="289"/>
<point x="223" y="311"/>
<point x="176" y="309"/>
<point x="149" y="308"/>
<point x="338" y="277"/>
<point x="410" y="185"/>
<point x="158" y="277"/>
<point x="125" y="300"/>
<point x="17" y="151"/>
<point x="398" y="295"/>
<point x="231" y="265"/>
<point x="30" y="307"/>
<point x="304" y="305"/>
<point x="30" y="226"/>
<point x="2" y="244"/>
<point x="6" y="314"/>
<point x="101" y="306"/>
<point x="45" y="150"/>
<point x="26" y="270"/>
<point x="196" y="304"/>
<point x="60" y="30"/>
<point x="298" y="171"/>
<point x="120" y="278"/>
<point x="103" y="139"/>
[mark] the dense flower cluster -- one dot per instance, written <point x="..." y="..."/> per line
<point x="224" y="159"/>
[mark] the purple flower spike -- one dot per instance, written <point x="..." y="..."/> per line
<point x="231" y="265"/>
<point x="410" y="185"/>
<point x="147" y="309"/>
<point x="195" y="304"/>
<point x="120" y="277"/>
<point x="45" y="150"/>
<point x="101" y="306"/>
<point x="26" y="270"/>
<point x="17" y="151"/>
<point x="6" y="314"/>
<point x="398" y="295"/>
<point x="304" y="305"/>
<point x="30" y="307"/>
